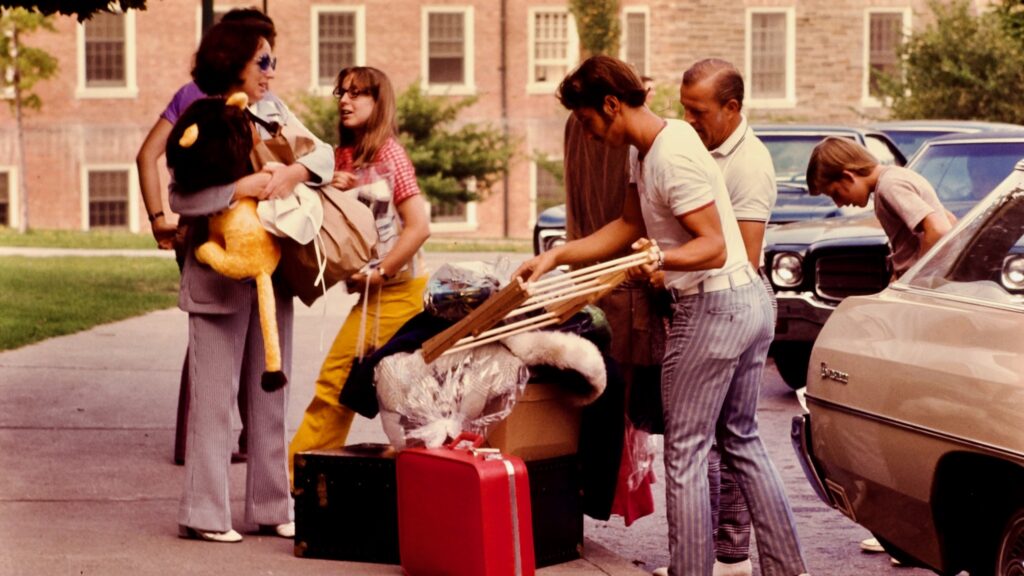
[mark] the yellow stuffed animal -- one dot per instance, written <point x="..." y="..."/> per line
<point x="238" y="246"/>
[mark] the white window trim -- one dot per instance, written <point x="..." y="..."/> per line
<point x="866" y="99"/>
<point x="13" y="196"/>
<point x="131" y="88"/>
<point x="222" y="9"/>
<point x="646" y="11"/>
<point x="469" y="225"/>
<point x="314" y="48"/>
<point x="549" y="88"/>
<point x="534" y="171"/>
<point x="789" y="100"/>
<point x="133" y="192"/>
<point x="468" y="87"/>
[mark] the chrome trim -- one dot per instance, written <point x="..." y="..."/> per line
<point x="979" y="446"/>
<point x="901" y="286"/>
<point x="800" y="436"/>
<point x="805" y="297"/>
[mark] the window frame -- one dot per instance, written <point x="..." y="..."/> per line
<point x="131" y="87"/>
<point x="789" y="99"/>
<point x="866" y="99"/>
<point x="572" y="48"/>
<point x="13" y="199"/>
<point x="468" y="86"/>
<point x="535" y="171"/>
<point x="133" y="191"/>
<point x="314" y="48"/>
<point x="623" y="39"/>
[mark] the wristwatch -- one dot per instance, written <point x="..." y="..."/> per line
<point x="384" y="275"/>
<point x="153" y="217"/>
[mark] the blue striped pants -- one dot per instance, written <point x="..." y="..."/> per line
<point x="711" y="376"/>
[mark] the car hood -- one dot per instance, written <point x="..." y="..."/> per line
<point x="864" y="227"/>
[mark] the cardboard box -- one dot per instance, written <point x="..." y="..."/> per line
<point x="543" y="424"/>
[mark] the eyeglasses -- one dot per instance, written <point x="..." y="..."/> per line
<point x="267" y="62"/>
<point x="353" y="93"/>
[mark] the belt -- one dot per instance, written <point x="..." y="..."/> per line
<point x="739" y="277"/>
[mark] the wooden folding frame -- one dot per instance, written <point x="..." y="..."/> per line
<point x="560" y="297"/>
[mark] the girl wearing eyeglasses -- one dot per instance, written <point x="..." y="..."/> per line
<point x="225" y="341"/>
<point x="371" y="160"/>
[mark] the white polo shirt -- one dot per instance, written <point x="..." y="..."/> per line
<point x="676" y="177"/>
<point x="749" y="175"/>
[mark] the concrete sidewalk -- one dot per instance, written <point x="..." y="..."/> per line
<point x="87" y="482"/>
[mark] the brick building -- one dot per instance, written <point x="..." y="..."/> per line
<point x="803" y="61"/>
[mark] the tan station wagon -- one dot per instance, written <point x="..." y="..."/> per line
<point x="915" y="396"/>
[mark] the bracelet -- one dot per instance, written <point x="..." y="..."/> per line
<point x="153" y="217"/>
<point x="661" y="260"/>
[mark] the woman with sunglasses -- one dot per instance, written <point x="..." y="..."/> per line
<point x="391" y="291"/>
<point x="225" y="341"/>
<point x="167" y="234"/>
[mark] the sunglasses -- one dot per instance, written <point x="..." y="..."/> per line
<point x="267" y="62"/>
<point x="353" y="93"/>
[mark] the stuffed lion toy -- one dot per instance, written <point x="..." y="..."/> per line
<point x="213" y="149"/>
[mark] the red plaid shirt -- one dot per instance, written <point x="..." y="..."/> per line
<point x="390" y="153"/>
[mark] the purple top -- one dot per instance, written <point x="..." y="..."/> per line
<point x="185" y="95"/>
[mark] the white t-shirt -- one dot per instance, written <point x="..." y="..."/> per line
<point x="749" y="175"/>
<point x="676" y="177"/>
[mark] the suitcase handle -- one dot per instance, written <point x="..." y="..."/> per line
<point x="460" y="441"/>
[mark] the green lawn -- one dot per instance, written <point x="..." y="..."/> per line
<point x="99" y="239"/>
<point x="45" y="297"/>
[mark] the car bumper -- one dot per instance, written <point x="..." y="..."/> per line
<point x="800" y="435"/>
<point x="801" y="316"/>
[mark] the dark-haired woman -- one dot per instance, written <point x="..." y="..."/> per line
<point x="223" y="317"/>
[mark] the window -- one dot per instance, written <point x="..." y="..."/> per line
<point x="454" y="216"/>
<point x="448" y="50"/>
<point x="771" y="57"/>
<point x="338" y="43"/>
<point x="984" y="260"/>
<point x="883" y="34"/>
<point x="110" y="197"/>
<point x="5" y="198"/>
<point x="106" y="56"/>
<point x="548" y="191"/>
<point x="554" y="48"/>
<point x="634" y="38"/>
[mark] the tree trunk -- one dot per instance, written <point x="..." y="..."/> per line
<point x="22" y="176"/>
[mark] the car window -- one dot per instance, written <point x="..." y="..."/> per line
<point x="967" y="171"/>
<point x="985" y="259"/>
<point x="790" y="153"/>
<point x="881" y="150"/>
<point x="911" y="140"/>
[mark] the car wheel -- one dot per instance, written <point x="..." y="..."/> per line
<point x="1010" y="561"/>
<point x="792" y="359"/>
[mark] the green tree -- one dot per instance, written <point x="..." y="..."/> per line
<point x="961" y="66"/>
<point x="453" y="163"/>
<point x="597" y="22"/>
<point x="81" y="9"/>
<point x="23" y="67"/>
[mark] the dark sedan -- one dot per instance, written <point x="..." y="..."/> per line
<point x="814" y="265"/>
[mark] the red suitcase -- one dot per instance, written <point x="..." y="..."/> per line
<point x="463" y="512"/>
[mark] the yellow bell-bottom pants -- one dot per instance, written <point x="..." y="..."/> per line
<point x="326" y="423"/>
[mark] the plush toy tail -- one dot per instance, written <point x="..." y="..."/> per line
<point x="273" y="378"/>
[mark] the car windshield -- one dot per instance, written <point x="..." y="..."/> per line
<point x="790" y="154"/>
<point x="967" y="171"/>
<point x="911" y="140"/>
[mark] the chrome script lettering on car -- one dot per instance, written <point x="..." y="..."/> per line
<point x="832" y="374"/>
